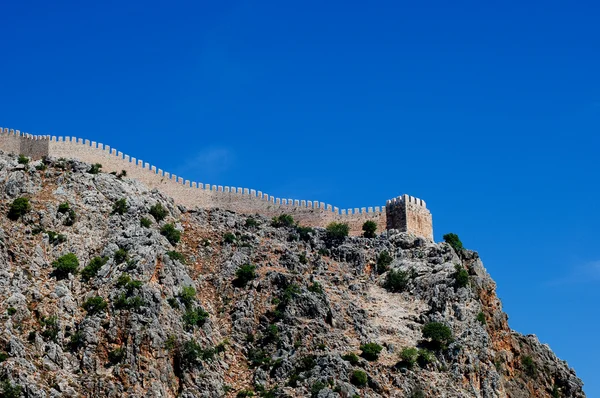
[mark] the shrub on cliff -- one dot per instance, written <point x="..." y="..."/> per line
<point x="18" y="208"/>
<point x="383" y="262"/>
<point x="438" y="333"/>
<point x="454" y="241"/>
<point x="369" y="228"/>
<point x="91" y="270"/>
<point x="370" y="351"/>
<point x="337" y="232"/>
<point x="244" y="274"/>
<point x="120" y="206"/>
<point x="283" y="220"/>
<point x="158" y="212"/>
<point x="169" y="232"/>
<point x="528" y="366"/>
<point x="94" y="305"/>
<point x="461" y="276"/>
<point x="65" y="265"/>
<point x="396" y="281"/>
<point x="95" y="168"/>
<point x="23" y="159"/>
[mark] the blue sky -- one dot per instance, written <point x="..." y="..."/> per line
<point x="489" y="112"/>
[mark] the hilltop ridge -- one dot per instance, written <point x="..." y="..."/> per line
<point x="111" y="288"/>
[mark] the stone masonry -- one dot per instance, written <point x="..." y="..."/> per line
<point x="404" y="213"/>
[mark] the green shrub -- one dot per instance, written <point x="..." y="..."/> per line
<point x="244" y="274"/>
<point x="316" y="388"/>
<point x="55" y="239"/>
<point x="23" y="159"/>
<point x="229" y="238"/>
<point x="337" y="231"/>
<point x="396" y="281"/>
<point x="369" y="228"/>
<point x="169" y="232"/>
<point x="95" y="168"/>
<point x="454" y="241"/>
<point x="461" y="276"/>
<point x="158" y="212"/>
<point x="65" y="265"/>
<point x="409" y="356"/>
<point x="70" y="218"/>
<point x="316" y="288"/>
<point x="8" y="390"/>
<point x="91" y="270"/>
<point x="302" y="258"/>
<point x="383" y="262"/>
<point x="359" y="378"/>
<point x="64" y="207"/>
<point x="195" y="317"/>
<point x="120" y="206"/>
<point x="18" y="208"/>
<point x="351" y="357"/>
<point x="120" y="256"/>
<point x="94" y="305"/>
<point x="244" y="394"/>
<point x="370" y="351"/>
<point x="75" y="341"/>
<point x="192" y="353"/>
<point x="3" y="357"/>
<point x="425" y="357"/>
<point x="529" y="366"/>
<point x="304" y="233"/>
<point x="129" y="284"/>
<point x="481" y="318"/>
<point x="187" y="295"/>
<point x="145" y="222"/>
<point x="51" y="329"/>
<point x="283" y="220"/>
<point x="116" y="356"/>
<point x="11" y="311"/>
<point x="438" y="333"/>
<point x="174" y="255"/>
<point x="251" y="222"/>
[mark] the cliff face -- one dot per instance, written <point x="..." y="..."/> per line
<point x="237" y="305"/>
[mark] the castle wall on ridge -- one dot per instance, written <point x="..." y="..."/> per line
<point x="404" y="213"/>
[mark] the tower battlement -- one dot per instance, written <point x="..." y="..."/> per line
<point x="405" y="213"/>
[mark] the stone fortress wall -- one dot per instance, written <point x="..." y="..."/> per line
<point x="404" y="213"/>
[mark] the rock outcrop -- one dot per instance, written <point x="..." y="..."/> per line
<point x="166" y="301"/>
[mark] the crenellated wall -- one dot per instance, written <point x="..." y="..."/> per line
<point x="404" y="213"/>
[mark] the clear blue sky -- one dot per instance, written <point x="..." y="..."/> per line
<point x="488" y="111"/>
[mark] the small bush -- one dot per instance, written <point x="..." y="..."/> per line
<point x="425" y="357"/>
<point x="229" y="238"/>
<point x="51" y="329"/>
<point x="370" y="351"/>
<point x="120" y="206"/>
<point x="337" y="232"/>
<point x="302" y="258"/>
<point x="8" y="390"/>
<point x="359" y="378"/>
<point x="192" y="353"/>
<point x="91" y="270"/>
<point x="244" y="274"/>
<point x="55" y="239"/>
<point x="195" y="317"/>
<point x="529" y="366"/>
<point x="283" y="220"/>
<point x="383" y="262"/>
<point x="369" y="228"/>
<point x="396" y="281"/>
<point x="11" y="311"/>
<point x="65" y="265"/>
<point x="70" y="218"/>
<point x="169" y="232"/>
<point x="41" y="167"/>
<point x="94" y="305"/>
<point x="23" y="159"/>
<point x="116" y="356"/>
<point x="454" y="241"/>
<point x="187" y="295"/>
<point x="76" y="341"/>
<point x="158" y="212"/>
<point x="120" y="256"/>
<point x="316" y="388"/>
<point x="18" y="208"/>
<point x="481" y="318"/>
<point x="461" y="276"/>
<point x="438" y="333"/>
<point x="145" y="222"/>
<point x="244" y="394"/>
<point x="351" y="357"/>
<point x="129" y="284"/>
<point x="304" y="233"/>
<point x="95" y="168"/>
<point x="251" y="223"/>
<point x="64" y="207"/>
<point x="316" y="288"/>
<point x="409" y="356"/>
<point x="174" y="255"/>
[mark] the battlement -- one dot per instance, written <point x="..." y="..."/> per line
<point x="405" y="213"/>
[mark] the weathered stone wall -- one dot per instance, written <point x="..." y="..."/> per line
<point x="404" y="213"/>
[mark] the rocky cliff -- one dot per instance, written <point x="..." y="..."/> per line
<point x="108" y="289"/>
